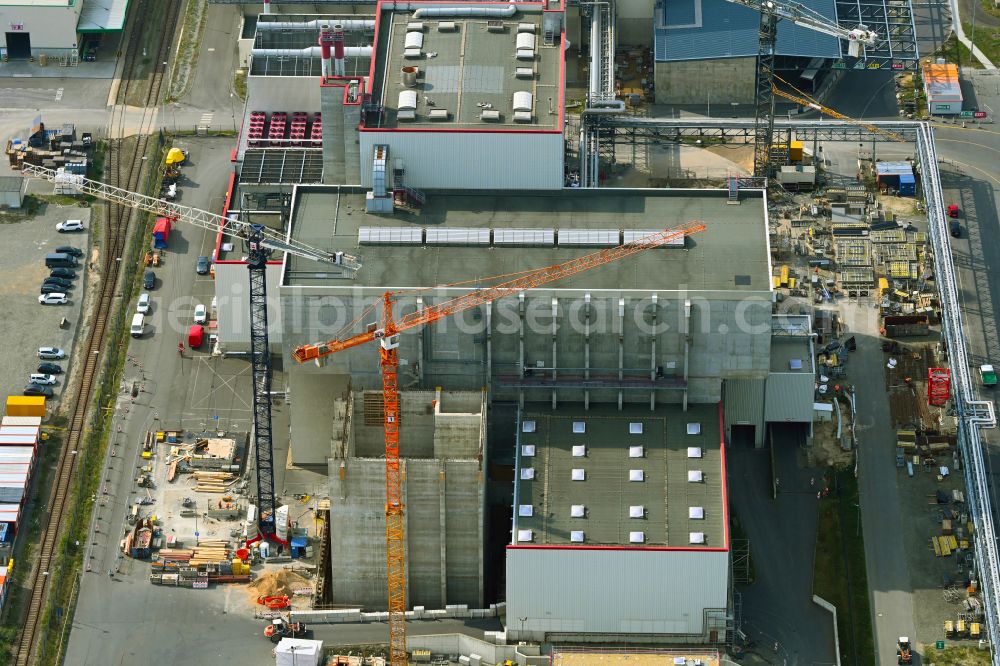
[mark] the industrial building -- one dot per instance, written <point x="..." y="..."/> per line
<point x="443" y="451"/>
<point x="943" y="90"/>
<point x="55" y="28"/>
<point x="620" y="525"/>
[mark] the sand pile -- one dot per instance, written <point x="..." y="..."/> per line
<point x="278" y="583"/>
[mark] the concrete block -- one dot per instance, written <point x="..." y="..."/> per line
<point x="475" y="660"/>
<point x="437" y="614"/>
<point x="465" y="661"/>
<point x="495" y="637"/>
<point x="380" y="616"/>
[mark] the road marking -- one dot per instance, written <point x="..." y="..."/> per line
<point x="206" y="120"/>
<point x="969" y="166"/>
<point x="964" y="129"/>
<point x="59" y="94"/>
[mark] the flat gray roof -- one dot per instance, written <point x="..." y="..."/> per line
<point x="466" y="70"/>
<point x="603" y="503"/>
<point x="730" y="255"/>
<point x="789" y="350"/>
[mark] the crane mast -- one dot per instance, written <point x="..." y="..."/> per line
<point x="260" y="242"/>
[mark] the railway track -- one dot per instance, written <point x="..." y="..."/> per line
<point x="124" y="170"/>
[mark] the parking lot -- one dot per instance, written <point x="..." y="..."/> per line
<point x="26" y="324"/>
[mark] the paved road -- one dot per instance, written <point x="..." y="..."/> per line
<point x="778" y="607"/>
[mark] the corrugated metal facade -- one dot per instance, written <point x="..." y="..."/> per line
<point x="571" y="591"/>
<point x="232" y="293"/>
<point x="789" y="397"/>
<point x="470" y="160"/>
<point x="743" y="404"/>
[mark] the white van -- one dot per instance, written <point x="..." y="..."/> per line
<point x="138" y="325"/>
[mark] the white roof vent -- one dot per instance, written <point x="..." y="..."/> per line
<point x="637" y="537"/>
<point x="525" y="41"/>
<point x="447" y="26"/>
<point x="579" y="427"/>
<point x="407" y="100"/>
<point x="696" y="512"/>
<point x="414" y="39"/>
<point x="528" y="426"/>
<point x="636" y="475"/>
<point x="576" y="536"/>
<point x="524" y="535"/>
<point x="578" y="474"/>
<point x="694" y="428"/>
<point x="527" y="450"/>
<point x="637" y="511"/>
<point x="524" y="72"/>
<point x="526" y="27"/>
<point x="694" y="452"/>
<point x="578" y="511"/>
<point x="490" y="116"/>
<point x="415" y="25"/>
<point x="695" y="476"/>
<point x="527" y="473"/>
<point x="696" y="537"/>
<point x="635" y="428"/>
<point x="579" y="451"/>
<point x="522" y="117"/>
<point x="525" y="510"/>
<point x="522" y="100"/>
<point x="439" y="114"/>
<point x="635" y="452"/>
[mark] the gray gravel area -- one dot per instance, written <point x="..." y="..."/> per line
<point x="26" y="325"/>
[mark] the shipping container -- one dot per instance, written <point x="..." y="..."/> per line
<point x="26" y="405"/>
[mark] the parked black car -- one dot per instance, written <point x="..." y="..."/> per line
<point x="202" y="266"/>
<point x="38" y="389"/>
<point x="50" y="368"/>
<point x="70" y="250"/>
<point x="149" y="280"/>
<point x="61" y="282"/>
<point x="65" y="273"/>
<point x="52" y="289"/>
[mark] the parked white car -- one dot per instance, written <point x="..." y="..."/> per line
<point x="51" y="353"/>
<point x="69" y="225"/>
<point x="142" y="305"/>
<point x="200" y="314"/>
<point x="53" y="299"/>
<point x="38" y="378"/>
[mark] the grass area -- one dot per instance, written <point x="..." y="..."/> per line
<point x="186" y="60"/>
<point x="987" y="39"/>
<point x="954" y="51"/>
<point x="957" y="655"/>
<point x="240" y="84"/>
<point x="987" y="6"/>
<point x="839" y="574"/>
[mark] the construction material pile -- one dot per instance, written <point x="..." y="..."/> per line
<point x="210" y="551"/>
<point x="283" y="582"/>
<point x="213" y="482"/>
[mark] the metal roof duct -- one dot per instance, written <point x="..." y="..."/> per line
<point x="496" y="12"/>
<point x="351" y="25"/>
<point x="317" y="51"/>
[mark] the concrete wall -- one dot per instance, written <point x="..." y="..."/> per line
<point x="730" y="336"/>
<point x="283" y="93"/>
<point x="51" y="29"/>
<point x="454" y="160"/>
<point x="444" y="532"/>
<point x="232" y="293"/>
<point x="634" y="25"/>
<point x="690" y="81"/>
<point x="598" y="595"/>
<point x="318" y="410"/>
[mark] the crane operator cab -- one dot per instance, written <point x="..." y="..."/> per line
<point x="858" y="38"/>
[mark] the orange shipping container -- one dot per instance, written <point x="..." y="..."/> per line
<point x="26" y="405"/>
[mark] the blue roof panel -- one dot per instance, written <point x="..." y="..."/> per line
<point x="710" y="29"/>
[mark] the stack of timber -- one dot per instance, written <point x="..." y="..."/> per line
<point x="210" y="552"/>
<point x="213" y="482"/>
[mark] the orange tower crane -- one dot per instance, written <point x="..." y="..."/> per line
<point x="388" y="336"/>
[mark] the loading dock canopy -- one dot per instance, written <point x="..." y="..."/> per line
<point x="102" y="16"/>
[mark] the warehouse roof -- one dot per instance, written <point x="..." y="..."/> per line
<point x="11" y="183"/>
<point x="467" y="68"/>
<point x="941" y="82"/>
<point x="710" y="29"/>
<point x="792" y="354"/>
<point x="101" y="15"/>
<point x="630" y="477"/>
<point x="730" y="255"/>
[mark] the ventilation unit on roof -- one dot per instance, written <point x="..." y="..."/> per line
<point x="577" y="511"/>
<point x="524" y="72"/>
<point x="637" y="511"/>
<point x="634" y="235"/>
<point x="527" y="473"/>
<point x="458" y="236"/>
<point x="694" y="428"/>
<point x="696" y="512"/>
<point x="522" y="101"/>
<point x="524" y="535"/>
<point x="636" y="475"/>
<point x="528" y="426"/>
<point x="494" y="25"/>
<point x="695" y="476"/>
<point x="415" y="25"/>
<point x="576" y="536"/>
<point x="527" y="450"/>
<point x="589" y="237"/>
<point x="490" y="116"/>
<point x="525" y="46"/>
<point x="578" y="474"/>
<point x="526" y="27"/>
<point x="447" y="26"/>
<point x="696" y="537"/>
<point x="694" y="452"/>
<point x="635" y="428"/>
<point x="407" y="100"/>
<point x="414" y="39"/>
<point x="438" y="114"/>
<point x="525" y="510"/>
<point x="525" y="237"/>
<point x="579" y="427"/>
<point x="523" y="117"/>
<point x="635" y="452"/>
<point x="579" y="451"/>
<point x="390" y="236"/>
<point x="636" y="537"/>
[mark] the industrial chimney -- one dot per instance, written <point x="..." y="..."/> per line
<point x="267" y="6"/>
<point x="326" y="44"/>
<point x="409" y="74"/>
<point x="339" y="68"/>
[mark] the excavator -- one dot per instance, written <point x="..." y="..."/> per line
<point x="279" y="629"/>
<point x="903" y="653"/>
